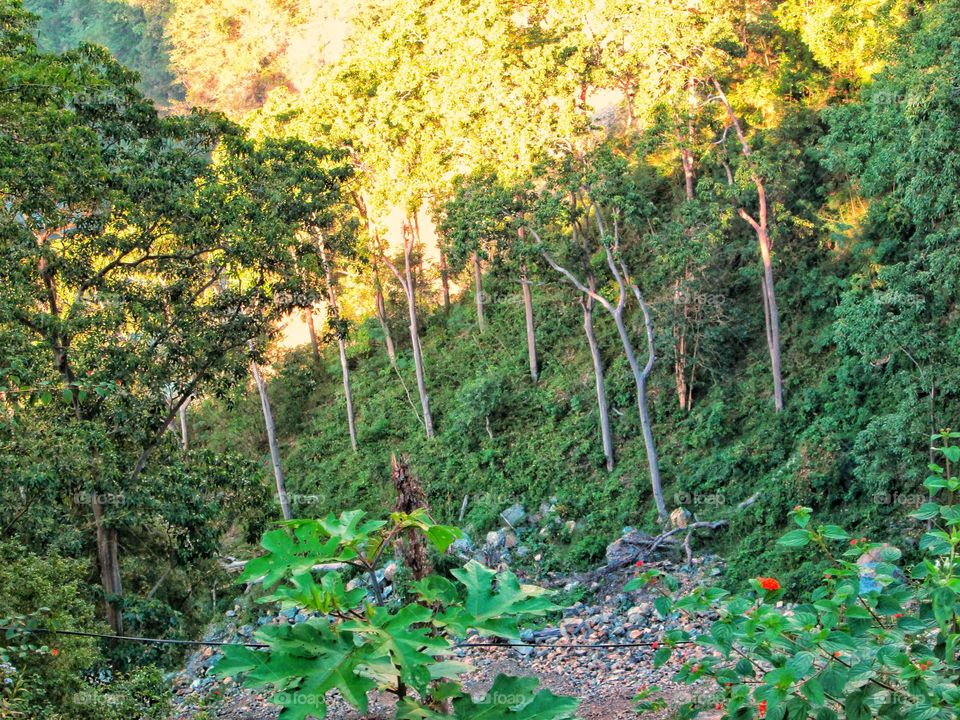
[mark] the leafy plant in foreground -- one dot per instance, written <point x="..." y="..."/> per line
<point x="354" y="645"/>
<point x="871" y="641"/>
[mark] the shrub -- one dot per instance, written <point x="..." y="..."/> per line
<point x="870" y="641"/>
<point x="355" y="646"/>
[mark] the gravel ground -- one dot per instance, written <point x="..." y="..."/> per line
<point x="604" y="679"/>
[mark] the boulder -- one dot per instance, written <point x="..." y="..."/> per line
<point x="627" y="549"/>
<point x="514" y="515"/>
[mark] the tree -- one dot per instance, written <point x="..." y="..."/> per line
<point x="606" y="179"/>
<point x="482" y="221"/>
<point x="406" y="281"/>
<point x="117" y="229"/>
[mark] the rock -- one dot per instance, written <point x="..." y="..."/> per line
<point x="570" y="526"/>
<point x="625" y="550"/>
<point x="495" y="539"/>
<point x="514" y="515"/>
<point x="463" y="546"/>
<point x="680" y="518"/>
<point x="571" y="586"/>
<point x="390" y="571"/>
<point x="509" y="539"/>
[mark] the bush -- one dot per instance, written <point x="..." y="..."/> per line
<point x="355" y="646"/>
<point x="870" y="641"/>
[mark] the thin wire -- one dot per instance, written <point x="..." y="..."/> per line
<point x="261" y="646"/>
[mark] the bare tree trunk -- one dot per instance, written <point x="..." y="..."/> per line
<point x="681" y="360"/>
<point x="347" y="394"/>
<point x="381" y="312"/>
<point x="109" y="561"/>
<point x="478" y="292"/>
<point x="599" y="380"/>
<point x="184" y="428"/>
<point x="406" y="282"/>
<point x="271" y="439"/>
<point x="312" y="329"/>
<point x="334" y="312"/>
<point x="528" y="316"/>
<point x="760" y="227"/>
<point x="445" y="282"/>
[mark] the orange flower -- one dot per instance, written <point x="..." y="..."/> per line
<point x="762" y="708"/>
<point x="770" y="584"/>
<point x="55" y="652"/>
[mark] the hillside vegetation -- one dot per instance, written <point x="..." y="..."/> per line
<point x="638" y="262"/>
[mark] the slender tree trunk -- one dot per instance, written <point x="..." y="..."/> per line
<point x="598" y="374"/>
<point x="640" y="376"/>
<point x="681" y="361"/>
<point x="445" y="282"/>
<point x="478" y="292"/>
<point x="334" y="311"/>
<point x="528" y="316"/>
<point x="347" y="394"/>
<point x="184" y="428"/>
<point x="312" y="329"/>
<point x="760" y="227"/>
<point x="109" y="561"/>
<point x="381" y="312"/>
<point x="271" y="439"/>
<point x="406" y="282"/>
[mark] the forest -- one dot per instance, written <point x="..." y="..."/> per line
<point x="479" y="359"/>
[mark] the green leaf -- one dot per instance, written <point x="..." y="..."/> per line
<point x="795" y="538"/>
<point x="510" y="698"/>
<point x="813" y="691"/>
<point x="392" y="636"/>
<point x="494" y="611"/>
<point x="927" y="511"/>
<point x="661" y="656"/>
<point x="835" y="532"/>
<point x="944" y="603"/>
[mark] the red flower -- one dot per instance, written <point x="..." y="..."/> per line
<point x="639" y="563"/>
<point x="762" y="708"/>
<point x="55" y="652"/>
<point x="770" y="584"/>
<point x="853" y="542"/>
<point x="655" y="645"/>
<point x="718" y="706"/>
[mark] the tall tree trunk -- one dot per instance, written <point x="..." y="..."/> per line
<point x="184" y="428"/>
<point x="381" y="312"/>
<point x="681" y="361"/>
<point x="640" y="376"/>
<point x="602" y="407"/>
<point x="760" y="227"/>
<point x="528" y="316"/>
<point x="407" y="283"/>
<point x="445" y="282"/>
<point x="334" y="312"/>
<point x="271" y="439"/>
<point x="108" y="557"/>
<point x="478" y="292"/>
<point x="312" y="329"/>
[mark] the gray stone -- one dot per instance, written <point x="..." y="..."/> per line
<point x="514" y="515"/>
